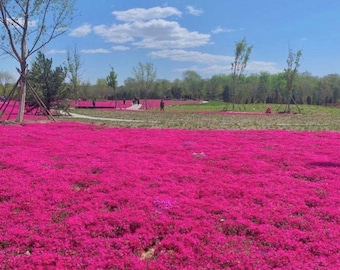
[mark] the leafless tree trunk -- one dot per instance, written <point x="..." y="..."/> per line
<point x="74" y="65"/>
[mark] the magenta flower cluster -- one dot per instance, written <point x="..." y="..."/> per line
<point x="80" y="196"/>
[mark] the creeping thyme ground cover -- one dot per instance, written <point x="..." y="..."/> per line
<point x="81" y="196"/>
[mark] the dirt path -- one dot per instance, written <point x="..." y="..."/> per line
<point x="75" y="115"/>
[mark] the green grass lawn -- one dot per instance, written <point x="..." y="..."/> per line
<point x="211" y="116"/>
<point x="260" y="107"/>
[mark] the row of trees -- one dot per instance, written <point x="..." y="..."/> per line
<point x="27" y="26"/>
<point x="255" y="88"/>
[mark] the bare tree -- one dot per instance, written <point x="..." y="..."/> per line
<point x="242" y="53"/>
<point x="26" y="26"/>
<point x="74" y="71"/>
<point x="293" y="63"/>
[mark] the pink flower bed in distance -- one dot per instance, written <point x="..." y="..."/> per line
<point x="10" y="112"/>
<point x="79" y="196"/>
<point x="146" y="104"/>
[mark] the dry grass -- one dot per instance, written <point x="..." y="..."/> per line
<point x="313" y="118"/>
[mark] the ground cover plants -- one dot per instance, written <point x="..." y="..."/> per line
<point x="212" y="116"/>
<point x="82" y="196"/>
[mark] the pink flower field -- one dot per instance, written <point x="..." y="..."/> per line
<point x="81" y="196"/>
<point x="146" y="104"/>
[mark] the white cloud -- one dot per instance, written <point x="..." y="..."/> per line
<point x="252" y="68"/>
<point x="210" y="64"/>
<point x="162" y="34"/>
<point x="15" y="21"/>
<point x="120" y="48"/>
<point x="157" y="33"/>
<point x="219" y="29"/>
<point x="81" y="31"/>
<point x="194" y="11"/>
<point x="207" y="70"/>
<point x="146" y="28"/>
<point x="95" y="51"/>
<point x="33" y="23"/>
<point x="54" y="51"/>
<point x="121" y="33"/>
<point x="192" y="56"/>
<point x="141" y="14"/>
<point x="216" y="69"/>
<point x="262" y="66"/>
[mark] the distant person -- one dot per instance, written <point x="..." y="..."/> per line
<point x="162" y="105"/>
<point x="94" y="103"/>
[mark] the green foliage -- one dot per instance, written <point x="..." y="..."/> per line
<point x="193" y="84"/>
<point x="262" y="87"/>
<point x="242" y="53"/>
<point x="256" y="88"/>
<point x="111" y="80"/>
<point x="161" y="88"/>
<point x="144" y="77"/>
<point x="6" y="79"/>
<point x="216" y="87"/>
<point x="47" y="82"/>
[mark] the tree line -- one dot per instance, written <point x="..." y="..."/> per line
<point x="48" y="84"/>
<point x="20" y="41"/>
<point x="287" y="87"/>
<point x="52" y="84"/>
<point x="253" y="88"/>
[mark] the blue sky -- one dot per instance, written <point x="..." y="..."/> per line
<point x="199" y="35"/>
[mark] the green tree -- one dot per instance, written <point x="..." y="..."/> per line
<point x="26" y="26"/>
<point x="102" y="90"/>
<point x="144" y="75"/>
<point x="162" y="88"/>
<point x="249" y="89"/>
<point x="177" y="89"/>
<point x="193" y="83"/>
<point x="216" y="87"/>
<point x="262" y="87"/>
<point x="242" y="53"/>
<point x="279" y="83"/>
<point x="85" y="90"/>
<point x="131" y="88"/>
<point x="304" y="87"/>
<point x="48" y="82"/>
<point x="330" y="88"/>
<point x="5" y="80"/>
<point x="111" y="81"/>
